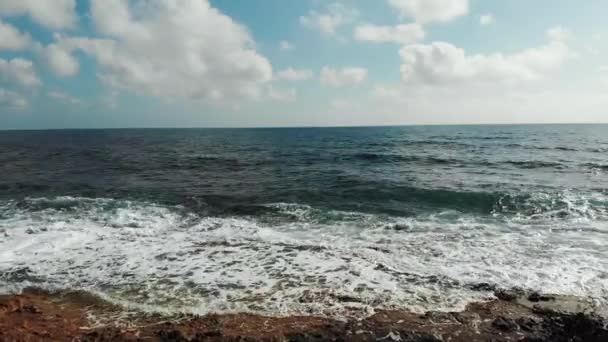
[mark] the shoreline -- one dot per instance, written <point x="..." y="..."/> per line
<point x="515" y="315"/>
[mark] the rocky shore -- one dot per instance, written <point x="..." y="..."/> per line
<point x="513" y="316"/>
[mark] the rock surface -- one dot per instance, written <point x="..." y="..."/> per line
<point x="514" y="316"/>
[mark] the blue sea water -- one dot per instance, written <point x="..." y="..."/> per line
<point x="296" y="220"/>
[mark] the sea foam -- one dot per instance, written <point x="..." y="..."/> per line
<point x="300" y="259"/>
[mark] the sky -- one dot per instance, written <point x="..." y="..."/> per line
<point x="266" y="63"/>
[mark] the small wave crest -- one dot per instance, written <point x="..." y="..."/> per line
<point x="553" y="206"/>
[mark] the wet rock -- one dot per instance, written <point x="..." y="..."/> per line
<point x="537" y="297"/>
<point x="170" y="335"/>
<point x="36" y="316"/>
<point x="307" y="337"/>
<point x="505" y="324"/>
<point x="572" y="328"/>
<point x="508" y="295"/>
<point x="31" y="309"/>
<point x="482" y="287"/>
<point x="529" y="324"/>
<point x="108" y="334"/>
<point x="416" y="337"/>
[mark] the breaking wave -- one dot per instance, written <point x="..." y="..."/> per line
<point x="295" y="258"/>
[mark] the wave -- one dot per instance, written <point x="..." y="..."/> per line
<point x="536" y="164"/>
<point x="392" y="158"/>
<point x="430" y="160"/>
<point x="363" y="196"/>
<point x="546" y="148"/>
<point x="154" y="256"/>
<point x="596" y="166"/>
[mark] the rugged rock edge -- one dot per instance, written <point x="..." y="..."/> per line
<point x="514" y="315"/>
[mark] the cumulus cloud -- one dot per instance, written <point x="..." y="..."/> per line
<point x="402" y="34"/>
<point x="487" y="19"/>
<point x="442" y="63"/>
<point x="12" y="39"/>
<point x="19" y="71"/>
<point x="348" y="76"/>
<point x="12" y="100"/>
<point x="60" y="60"/>
<point x="444" y="84"/>
<point x="64" y="98"/>
<point x="54" y="14"/>
<point x="286" y="46"/>
<point x="169" y="49"/>
<point x="428" y="11"/>
<point x="291" y="74"/>
<point x="327" y="22"/>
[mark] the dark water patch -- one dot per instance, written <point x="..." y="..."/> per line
<point x="449" y="144"/>
<point x="542" y="148"/>
<point x="563" y="148"/>
<point x="536" y="164"/>
<point x="395" y="158"/>
<point x="597" y="150"/>
<point x="596" y="166"/>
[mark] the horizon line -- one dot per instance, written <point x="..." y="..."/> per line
<point x="292" y="127"/>
<point x="303" y="126"/>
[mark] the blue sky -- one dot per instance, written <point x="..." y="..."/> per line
<point x="218" y="63"/>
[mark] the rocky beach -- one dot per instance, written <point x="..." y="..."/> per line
<point x="513" y="315"/>
<point x="305" y="234"/>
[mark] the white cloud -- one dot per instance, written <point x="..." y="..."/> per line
<point x="12" y="100"/>
<point x="444" y="84"/>
<point x="162" y="48"/>
<point x="54" y="14"/>
<point x="442" y="63"/>
<point x="427" y="11"/>
<point x="286" y="46"/>
<point x="60" y="60"/>
<point x="64" y="98"/>
<point x="12" y="39"/>
<point x="343" y="77"/>
<point x="291" y="74"/>
<point x="282" y="95"/>
<point x="489" y="103"/>
<point x="402" y="34"/>
<point x="328" y="22"/>
<point x="19" y="71"/>
<point x="487" y="19"/>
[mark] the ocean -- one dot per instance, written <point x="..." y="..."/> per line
<point x="306" y="220"/>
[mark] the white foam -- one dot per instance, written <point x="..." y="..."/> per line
<point x="164" y="258"/>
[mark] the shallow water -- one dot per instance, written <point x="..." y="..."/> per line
<point x="306" y="220"/>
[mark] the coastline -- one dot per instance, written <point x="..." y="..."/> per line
<point x="513" y="316"/>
